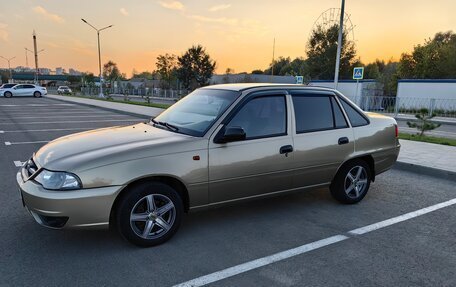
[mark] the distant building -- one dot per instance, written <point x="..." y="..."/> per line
<point x="59" y="71"/>
<point x="45" y="71"/>
<point x="74" y="72"/>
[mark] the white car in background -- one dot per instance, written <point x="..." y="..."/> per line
<point x="63" y="90"/>
<point x="21" y="90"/>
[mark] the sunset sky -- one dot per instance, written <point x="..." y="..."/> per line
<point x="237" y="34"/>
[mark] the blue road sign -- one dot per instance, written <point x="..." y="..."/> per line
<point x="358" y="73"/>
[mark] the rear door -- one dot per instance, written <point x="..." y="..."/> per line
<point x="254" y="166"/>
<point x="322" y="137"/>
<point x="29" y="90"/>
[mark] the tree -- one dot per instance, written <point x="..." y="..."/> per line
<point x="195" y="67"/>
<point x="436" y="59"/>
<point x="322" y="50"/>
<point x="257" y="72"/>
<point x="424" y="123"/>
<point x="166" y="68"/>
<point x="88" y="79"/>
<point x="111" y="72"/>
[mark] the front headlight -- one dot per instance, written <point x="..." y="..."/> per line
<point x="57" y="180"/>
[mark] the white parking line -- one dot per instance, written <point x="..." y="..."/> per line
<point x="18" y="163"/>
<point x="70" y="122"/>
<point x="401" y="218"/>
<point x="16" y="143"/>
<point x="66" y="116"/>
<point x="238" y="269"/>
<point x="47" y="130"/>
<point x="36" y="105"/>
<point x="254" y="264"/>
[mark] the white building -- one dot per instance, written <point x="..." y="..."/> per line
<point x="59" y="71"/>
<point x="430" y="94"/>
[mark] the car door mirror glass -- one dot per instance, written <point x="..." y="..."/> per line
<point x="231" y="134"/>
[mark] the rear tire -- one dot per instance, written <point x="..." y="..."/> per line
<point x="351" y="182"/>
<point x="149" y="214"/>
<point x="7" y="94"/>
<point x="37" y="94"/>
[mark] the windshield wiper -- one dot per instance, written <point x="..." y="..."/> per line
<point x="166" y="125"/>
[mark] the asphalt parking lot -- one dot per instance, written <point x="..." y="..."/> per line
<point x="418" y="250"/>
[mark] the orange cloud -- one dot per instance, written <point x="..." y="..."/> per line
<point x="53" y="17"/>
<point x="173" y="5"/>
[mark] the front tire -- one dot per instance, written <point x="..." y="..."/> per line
<point x="149" y="214"/>
<point x="8" y="94"/>
<point x="351" y="182"/>
<point x="37" y="94"/>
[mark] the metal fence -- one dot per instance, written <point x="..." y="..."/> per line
<point x="395" y="106"/>
<point x="131" y="93"/>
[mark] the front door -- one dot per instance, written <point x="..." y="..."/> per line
<point x="258" y="164"/>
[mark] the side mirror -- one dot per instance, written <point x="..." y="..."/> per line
<point x="230" y="134"/>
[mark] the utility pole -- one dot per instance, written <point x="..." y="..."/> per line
<point x="9" y="65"/>
<point x="26" y="58"/>
<point x="273" y="59"/>
<point x="35" y="49"/>
<point x="339" y="44"/>
<point x="99" y="54"/>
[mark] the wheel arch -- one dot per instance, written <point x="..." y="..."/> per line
<point x="171" y="181"/>
<point x="366" y="158"/>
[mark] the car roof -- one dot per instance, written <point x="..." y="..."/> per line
<point x="246" y="86"/>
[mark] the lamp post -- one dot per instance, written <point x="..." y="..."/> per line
<point x="99" y="53"/>
<point x="9" y="66"/>
<point x="26" y="56"/>
<point x="339" y="44"/>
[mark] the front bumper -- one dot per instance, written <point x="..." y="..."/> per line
<point x="68" y="209"/>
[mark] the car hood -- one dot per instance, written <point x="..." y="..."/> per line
<point x="95" y="148"/>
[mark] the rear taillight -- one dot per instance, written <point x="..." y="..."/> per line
<point x="397" y="131"/>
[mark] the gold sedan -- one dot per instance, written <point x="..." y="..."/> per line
<point x="217" y="145"/>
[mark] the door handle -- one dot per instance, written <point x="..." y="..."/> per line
<point x="343" y="140"/>
<point x="286" y="149"/>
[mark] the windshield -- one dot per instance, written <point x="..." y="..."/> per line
<point x="195" y="114"/>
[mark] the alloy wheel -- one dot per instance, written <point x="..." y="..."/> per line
<point x="152" y="216"/>
<point x="356" y="182"/>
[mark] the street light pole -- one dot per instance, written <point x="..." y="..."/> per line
<point x="339" y="44"/>
<point x="99" y="53"/>
<point x="9" y="66"/>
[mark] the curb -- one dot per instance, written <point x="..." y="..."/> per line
<point x="425" y="170"/>
<point x="105" y="108"/>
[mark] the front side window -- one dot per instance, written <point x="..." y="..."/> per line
<point x="195" y="114"/>
<point x="262" y="117"/>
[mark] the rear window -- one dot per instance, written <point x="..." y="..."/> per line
<point x="354" y="116"/>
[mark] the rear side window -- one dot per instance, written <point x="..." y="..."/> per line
<point x="29" y="86"/>
<point x="316" y="113"/>
<point x="355" y="117"/>
<point x="312" y="113"/>
<point x="339" y="119"/>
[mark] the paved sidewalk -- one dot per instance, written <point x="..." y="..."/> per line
<point x="433" y="159"/>
<point x="419" y="156"/>
<point x="408" y="117"/>
<point x="132" y="109"/>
